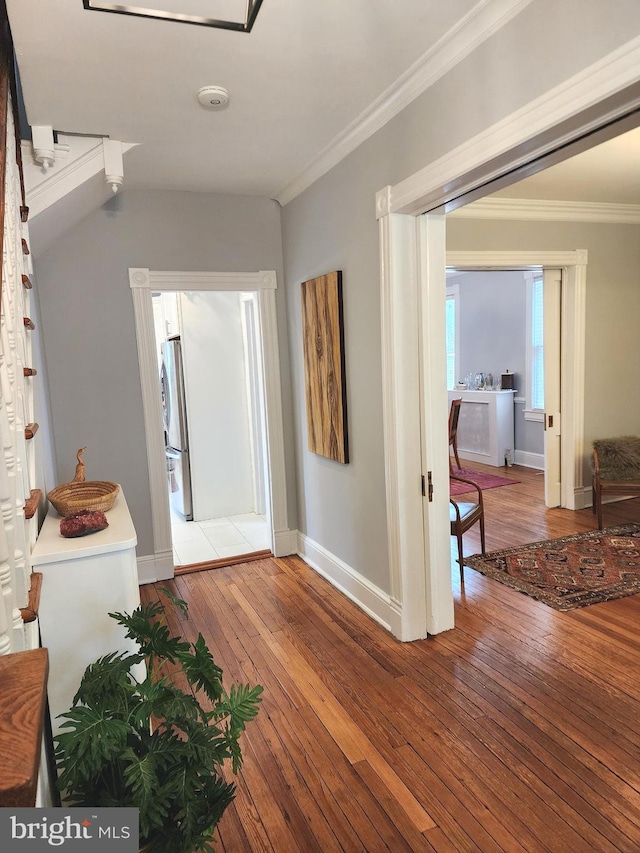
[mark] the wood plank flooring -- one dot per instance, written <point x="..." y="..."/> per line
<point x="517" y="731"/>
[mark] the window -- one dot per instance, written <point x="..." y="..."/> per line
<point x="451" y="327"/>
<point x="534" y="407"/>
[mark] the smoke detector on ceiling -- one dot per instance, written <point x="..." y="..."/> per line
<point x="213" y="97"/>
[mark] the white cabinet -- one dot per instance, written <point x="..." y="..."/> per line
<point x="486" y="427"/>
<point x="83" y="580"/>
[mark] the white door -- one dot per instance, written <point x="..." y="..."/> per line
<point x="552" y="284"/>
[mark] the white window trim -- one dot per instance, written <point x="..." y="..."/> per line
<point x="530" y="413"/>
<point x="453" y="292"/>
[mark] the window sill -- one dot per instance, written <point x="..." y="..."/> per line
<point x="534" y="415"/>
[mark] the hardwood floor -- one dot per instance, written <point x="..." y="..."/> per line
<point x="517" y="731"/>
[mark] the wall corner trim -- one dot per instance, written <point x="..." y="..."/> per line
<point x="155" y="567"/>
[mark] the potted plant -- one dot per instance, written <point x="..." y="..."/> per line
<point x="149" y="743"/>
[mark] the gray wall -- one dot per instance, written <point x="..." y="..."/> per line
<point x="493" y="338"/>
<point x="492" y="308"/>
<point x="332" y="226"/>
<point x="88" y="323"/>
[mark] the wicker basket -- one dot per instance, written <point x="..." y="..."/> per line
<point x="70" y="498"/>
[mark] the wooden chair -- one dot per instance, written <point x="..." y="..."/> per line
<point x="463" y="515"/>
<point x="616" y="470"/>
<point x="454" y="417"/>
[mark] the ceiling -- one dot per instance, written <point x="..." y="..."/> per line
<point x="608" y="173"/>
<point x="299" y="83"/>
<point x="307" y="71"/>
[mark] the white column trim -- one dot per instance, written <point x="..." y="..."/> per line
<point x="281" y="534"/>
<point x="432" y="287"/>
<point x="152" y="408"/>
<point x="142" y="282"/>
<point x="401" y="423"/>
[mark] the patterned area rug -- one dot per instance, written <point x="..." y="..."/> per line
<point x="485" y="481"/>
<point x="574" y="571"/>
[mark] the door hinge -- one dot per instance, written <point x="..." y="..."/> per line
<point x="427" y="487"/>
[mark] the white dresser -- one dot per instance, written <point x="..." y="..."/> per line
<point x="486" y="426"/>
<point x="83" y="580"/>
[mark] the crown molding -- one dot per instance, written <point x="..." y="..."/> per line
<point x="486" y="18"/>
<point x="534" y="209"/>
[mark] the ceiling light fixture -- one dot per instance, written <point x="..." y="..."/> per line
<point x="244" y="25"/>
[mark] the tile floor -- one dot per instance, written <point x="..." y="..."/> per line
<point x="197" y="541"/>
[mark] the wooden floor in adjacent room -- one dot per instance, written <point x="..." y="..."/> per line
<point x="518" y="730"/>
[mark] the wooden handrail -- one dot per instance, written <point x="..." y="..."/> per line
<point x="29" y="371"/>
<point x="28" y="323"/>
<point x="22" y="708"/>
<point x="25" y="247"/>
<point x="32" y="503"/>
<point x="30" y="612"/>
<point x="26" y="282"/>
<point x="30" y="430"/>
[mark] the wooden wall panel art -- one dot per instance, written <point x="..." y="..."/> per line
<point x="324" y="369"/>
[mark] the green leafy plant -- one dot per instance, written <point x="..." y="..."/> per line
<point x="148" y="743"/>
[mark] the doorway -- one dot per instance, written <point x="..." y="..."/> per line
<point x="210" y="373"/>
<point x="262" y="285"/>
<point x="497" y="312"/>
<point x="413" y="263"/>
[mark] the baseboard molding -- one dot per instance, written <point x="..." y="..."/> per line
<point x="529" y="460"/>
<point x="368" y="597"/>
<point x="156" y="567"/>
<point x="586" y="496"/>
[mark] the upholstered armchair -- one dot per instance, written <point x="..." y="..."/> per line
<point x="615" y="465"/>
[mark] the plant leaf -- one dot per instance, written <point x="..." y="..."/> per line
<point x="201" y="670"/>
<point x="240" y="705"/>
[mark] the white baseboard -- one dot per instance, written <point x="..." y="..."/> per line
<point x="360" y="590"/>
<point x="286" y="542"/>
<point x="529" y="460"/>
<point x="156" y="567"/>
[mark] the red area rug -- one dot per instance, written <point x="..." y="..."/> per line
<point x="484" y="481"/>
<point x="587" y="568"/>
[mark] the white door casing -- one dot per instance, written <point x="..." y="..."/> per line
<point x="604" y="92"/>
<point x="142" y="282"/>
<point x="554" y="489"/>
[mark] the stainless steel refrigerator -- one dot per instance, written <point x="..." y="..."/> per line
<point x="175" y="428"/>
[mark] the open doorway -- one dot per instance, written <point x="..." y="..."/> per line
<point x="262" y="285"/>
<point x="414" y="258"/>
<point x="210" y="374"/>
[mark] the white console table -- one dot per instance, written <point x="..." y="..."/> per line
<point x="486" y="427"/>
<point x="83" y="580"/>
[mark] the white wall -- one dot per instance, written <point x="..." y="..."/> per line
<point x="217" y="412"/>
